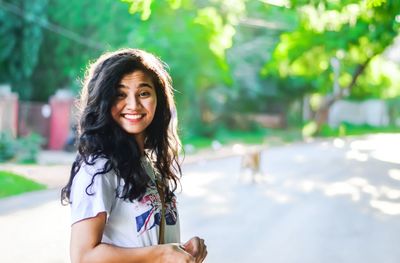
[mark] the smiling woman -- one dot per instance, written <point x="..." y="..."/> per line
<point x="122" y="183"/>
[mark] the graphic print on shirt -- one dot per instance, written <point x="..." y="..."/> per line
<point x="151" y="204"/>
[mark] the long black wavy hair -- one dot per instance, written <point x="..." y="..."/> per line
<point x="99" y="136"/>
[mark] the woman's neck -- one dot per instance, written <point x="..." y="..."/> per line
<point x="140" y="142"/>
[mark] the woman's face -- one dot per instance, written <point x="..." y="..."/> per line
<point x="136" y="103"/>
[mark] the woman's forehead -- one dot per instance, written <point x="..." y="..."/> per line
<point x="135" y="78"/>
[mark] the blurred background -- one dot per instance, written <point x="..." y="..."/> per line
<point x="242" y="70"/>
<point x="249" y="75"/>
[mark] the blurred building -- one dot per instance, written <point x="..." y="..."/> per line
<point x="53" y="121"/>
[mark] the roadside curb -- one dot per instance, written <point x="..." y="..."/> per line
<point x="27" y="200"/>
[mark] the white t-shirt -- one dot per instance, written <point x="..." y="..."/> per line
<point x="129" y="224"/>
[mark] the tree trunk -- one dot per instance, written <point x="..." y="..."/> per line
<point x="321" y="115"/>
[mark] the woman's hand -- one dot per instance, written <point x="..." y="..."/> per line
<point x="175" y="253"/>
<point x="196" y="247"/>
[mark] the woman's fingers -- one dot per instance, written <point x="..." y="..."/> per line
<point x="176" y="254"/>
<point x="203" y="251"/>
<point x="197" y="248"/>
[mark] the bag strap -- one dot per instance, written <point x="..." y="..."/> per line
<point x="161" y="193"/>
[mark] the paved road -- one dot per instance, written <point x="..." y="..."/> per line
<point x="324" y="201"/>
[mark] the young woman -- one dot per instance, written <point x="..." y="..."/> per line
<point x="122" y="183"/>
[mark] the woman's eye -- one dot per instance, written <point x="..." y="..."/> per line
<point x="144" y="94"/>
<point x="120" y="95"/>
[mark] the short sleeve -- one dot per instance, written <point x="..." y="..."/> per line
<point x="102" y="192"/>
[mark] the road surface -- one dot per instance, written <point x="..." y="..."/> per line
<point x="323" y="201"/>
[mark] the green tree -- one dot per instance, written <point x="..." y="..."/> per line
<point x="80" y="31"/>
<point x="348" y="31"/>
<point x="256" y="36"/>
<point x="21" y="36"/>
<point x="191" y="37"/>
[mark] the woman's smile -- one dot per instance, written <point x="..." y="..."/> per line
<point x="133" y="117"/>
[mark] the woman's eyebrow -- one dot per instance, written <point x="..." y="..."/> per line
<point x="121" y="86"/>
<point x="145" y="84"/>
<point x="141" y="85"/>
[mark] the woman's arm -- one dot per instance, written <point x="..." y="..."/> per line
<point x="86" y="247"/>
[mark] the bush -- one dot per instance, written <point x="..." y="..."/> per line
<point x="8" y="147"/>
<point x="22" y="150"/>
<point x="28" y="148"/>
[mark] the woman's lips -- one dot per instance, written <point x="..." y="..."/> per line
<point x="132" y="117"/>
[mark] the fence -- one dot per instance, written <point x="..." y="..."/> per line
<point x="53" y="120"/>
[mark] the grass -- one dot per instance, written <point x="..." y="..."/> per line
<point x="282" y="136"/>
<point x="13" y="184"/>
<point x="259" y="136"/>
<point x="248" y="137"/>
<point x="226" y="137"/>
<point x="346" y="129"/>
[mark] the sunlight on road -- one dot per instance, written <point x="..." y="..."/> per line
<point x="356" y="155"/>
<point x="196" y="184"/>
<point x="376" y="147"/>
<point x="382" y="198"/>
<point x="339" y="143"/>
<point x="394" y="174"/>
<point x="379" y="148"/>
<point x="390" y="155"/>
<point x="278" y="196"/>
<point x="308" y="185"/>
<point x="343" y="188"/>
<point x="390" y="208"/>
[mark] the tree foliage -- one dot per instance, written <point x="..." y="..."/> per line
<point x="83" y="31"/>
<point x="191" y="38"/>
<point x="333" y="47"/>
<point x="256" y="36"/>
<point x="20" y="40"/>
<point x="349" y="31"/>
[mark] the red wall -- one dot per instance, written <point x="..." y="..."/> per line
<point x="60" y="122"/>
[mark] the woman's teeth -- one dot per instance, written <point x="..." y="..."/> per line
<point x="133" y="116"/>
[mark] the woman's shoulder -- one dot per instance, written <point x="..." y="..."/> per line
<point x="95" y="174"/>
<point x="96" y="165"/>
<point x="95" y="162"/>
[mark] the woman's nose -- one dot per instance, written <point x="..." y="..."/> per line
<point x="132" y="102"/>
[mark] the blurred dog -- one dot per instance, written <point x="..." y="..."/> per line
<point x="251" y="162"/>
